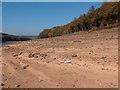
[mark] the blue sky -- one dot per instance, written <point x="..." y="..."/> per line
<point x="55" y="0"/>
<point x="29" y="18"/>
<point x="0" y="17"/>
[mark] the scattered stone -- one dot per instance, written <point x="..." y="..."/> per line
<point x="20" y="53"/>
<point x="4" y="64"/>
<point x="102" y="68"/>
<point x="107" y="69"/>
<point x="74" y="55"/>
<point x="54" y="58"/>
<point x="2" y="84"/>
<point x="69" y="61"/>
<point x="17" y="85"/>
<point x="90" y="53"/>
<point x="98" y="62"/>
<point x="36" y="56"/>
<point x="111" y="84"/>
<point x="78" y="64"/>
<point x="3" y="74"/>
<point x="15" y="55"/>
<point x="40" y="80"/>
<point x="103" y="57"/>
<point x="85" y="65"/>
<point x="15" y="68"/>
<point x="47" y="61"/>
<point x="73" y="85"/>
<point x="57" y="85"/>
<point x="12" y="52"/>
<point x="43" y="55"/>
<point x="31" y="55"/>
<point x="77" y="41"/>
<point x="24" y="66"/>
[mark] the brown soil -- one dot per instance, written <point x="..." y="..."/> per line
<point x="82" y="60"/>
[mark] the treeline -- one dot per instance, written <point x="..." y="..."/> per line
<point x="6" y="37"/>
<point x="106" y="16"/>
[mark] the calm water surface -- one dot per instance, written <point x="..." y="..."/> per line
<point x="4" y="43"/>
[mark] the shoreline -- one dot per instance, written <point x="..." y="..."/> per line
<point x="86" y="60"/>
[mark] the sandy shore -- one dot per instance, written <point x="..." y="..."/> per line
<point x="85" y="60"/>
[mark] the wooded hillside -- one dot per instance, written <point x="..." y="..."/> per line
<point x="107" y="16"/>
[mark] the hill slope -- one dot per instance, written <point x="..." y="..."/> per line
<point x="106" y="16"/>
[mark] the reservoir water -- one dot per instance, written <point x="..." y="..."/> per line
<point x="4" y="43"/>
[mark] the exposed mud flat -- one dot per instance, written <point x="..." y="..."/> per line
<point x="83" y="60"/>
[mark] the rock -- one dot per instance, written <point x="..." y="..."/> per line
<point x="74" y="55"/>
<point x="91" y="51"/>
<point x="78" y="64"/>
<point x="40" y="80"/>
<point x="85" y="65"/>
<point x="103" y="57"/>
<point x="102" y="68"/>
<point x="15" y="55"/>
<point x="47" y="61"/>
<point x="20" y="53"/>
<point x="98" y="62"/>
<point x="43" y="55"/>
<point x="54" y="58"/>
<point x="107" y="68"/>
<point x="2" y="84"/>
<point x="57" y="85"/>
<point x="73" y="85"/>
<point x="36" y="55"/>
<point x="69" y="61"/>
<point x="12" y="52"/>
<point x="15" y="68"/>
<point x="17" y="85"/>
<point x="24" y="66"/>
<point x="31" y="55"/>
<point x="77" y="41"/>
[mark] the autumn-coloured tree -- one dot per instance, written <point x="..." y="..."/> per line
<point x="105" y="16"/>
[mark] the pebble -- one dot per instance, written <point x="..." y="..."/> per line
<point x="40" y="80"/>
<point x="2" y="84"/>
<point x="73" y="85"/>
<point x="68" y="61"/>
<point x="17" y="85"/>
<point x="103" y="57"/>
<point x="102" y="68"/>
<point x="15" y="55"/>
<point x="24" y="66"/>
<point x="74" y="55"/>
<point x="47" y="61"/>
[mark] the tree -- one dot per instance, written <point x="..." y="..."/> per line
<point x="98" y="20"/>
<point x="44" y="34"/>
<point x="92" y="9"/>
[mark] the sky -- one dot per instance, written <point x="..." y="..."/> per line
<point x="30" y="18"/>
<point x="0" y="17"/>
<point x="56" y="0"/>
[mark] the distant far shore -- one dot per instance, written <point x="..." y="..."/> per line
<point x="8" y="38"/>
